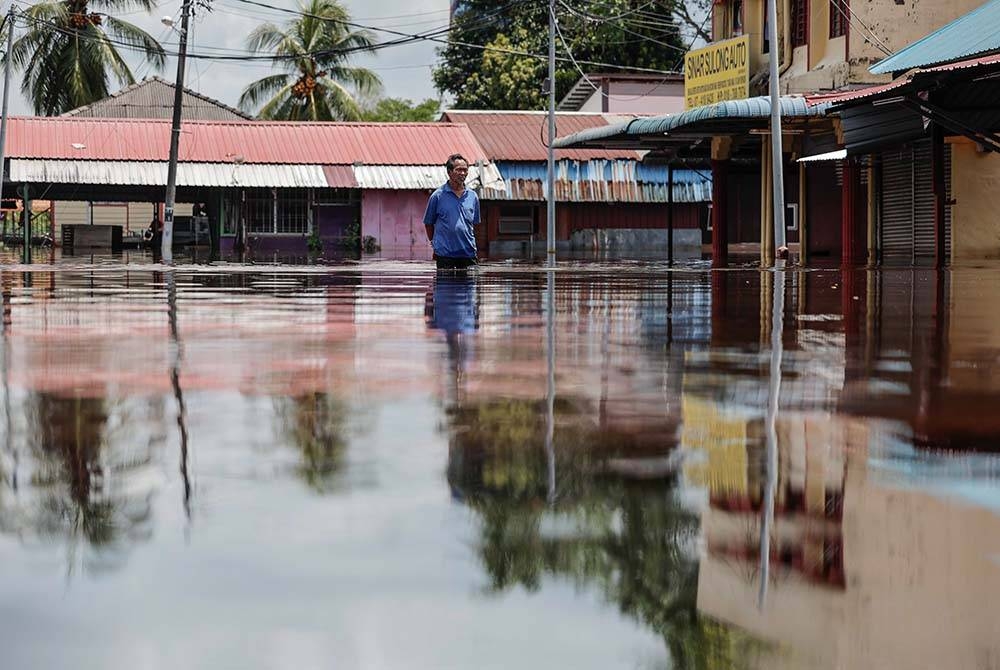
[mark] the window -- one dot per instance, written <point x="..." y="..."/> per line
<point x="800" y="22"/>
<point x="736" y="18"/>
<point x="517" y="220"/>
<point x="292" y="211"/>
<point x="839" y="10"/>
<point x="766" y="39"/>
<point x="259" y="211"/>
<point x="277" y="211"/>
<point x="792" y="215"/>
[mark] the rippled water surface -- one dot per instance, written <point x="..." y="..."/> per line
<point x="373" y="466"/>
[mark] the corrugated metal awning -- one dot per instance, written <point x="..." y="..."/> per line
<point x="602" y="181"/>
<point x="837" y="155"/>
<point x="154" y="173"/>
<point x="708" y="119"/>
<point x="232" y="175"/>
<point x="420" y="177"/>
<point x="340" y="176"/>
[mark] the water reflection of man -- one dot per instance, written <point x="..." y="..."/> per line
<point x="452" y="307"/>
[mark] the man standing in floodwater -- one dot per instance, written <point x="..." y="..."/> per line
<point x="452" y="212"/>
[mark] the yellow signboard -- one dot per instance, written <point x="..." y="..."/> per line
<point x="720" y="71"/>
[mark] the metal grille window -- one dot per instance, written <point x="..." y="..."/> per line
<point x="277" y="211"/>
<point x="800" y="22"/>
<point x="292" y="211"/>
<point x="259" y="211"/>
<point x="838" y="17"/>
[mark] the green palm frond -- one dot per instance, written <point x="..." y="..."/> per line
<point x="66" y="65"/>
<point x="314" y="52"/>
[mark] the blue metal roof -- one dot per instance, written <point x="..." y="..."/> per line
<point x="749" y="108"/>
<point x="975" y="33"/>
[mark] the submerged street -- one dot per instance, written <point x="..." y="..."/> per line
<point x="371" y="465"/>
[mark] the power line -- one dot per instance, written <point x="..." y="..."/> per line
<point x="850" y="16"/>
<point x="514" y="52"/>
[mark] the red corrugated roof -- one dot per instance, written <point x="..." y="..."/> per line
<point x="74" y="138"/>
<point x="519" y="136"/>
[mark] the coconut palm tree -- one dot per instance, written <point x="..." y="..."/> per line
<point x="314" y="50"/>
<point x="71" y="52"/>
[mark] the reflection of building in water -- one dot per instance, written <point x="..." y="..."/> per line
<point x="866" y="572"/>
<point x="726" y="457"/>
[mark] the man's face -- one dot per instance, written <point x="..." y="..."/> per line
<point x="458" y="173"/>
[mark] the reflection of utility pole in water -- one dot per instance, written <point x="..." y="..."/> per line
<point x="176" y="354"/>
<point x="771" y="453"/>
<point x="550" y="354"/>
<point x="5" y="372"/>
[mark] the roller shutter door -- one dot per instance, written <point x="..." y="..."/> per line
<point x="896" y="207"/>
<point x="923" y="202"/>
<point x="908" y="205"/>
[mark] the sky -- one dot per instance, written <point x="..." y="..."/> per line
<point x="405" y="70"/>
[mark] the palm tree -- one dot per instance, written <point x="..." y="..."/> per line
<point x="70" y="52"/>
<point x="314" y="50"/>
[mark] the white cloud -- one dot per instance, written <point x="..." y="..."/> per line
<point x="405" y="70"/>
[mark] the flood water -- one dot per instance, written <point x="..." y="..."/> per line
<point x="372" y="466"/>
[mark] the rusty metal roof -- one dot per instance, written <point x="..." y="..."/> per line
<point x="153" y="98"/>
<point x="276" y="142"/>
<point x="602" y="181"/>
<point x="521" y="136"/>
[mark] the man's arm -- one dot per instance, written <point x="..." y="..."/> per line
<point x="430" y="216"/>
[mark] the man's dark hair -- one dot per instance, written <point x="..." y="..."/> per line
<point x="450" y="165"/>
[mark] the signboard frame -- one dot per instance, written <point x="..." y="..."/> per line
<point x="717" y="72"/>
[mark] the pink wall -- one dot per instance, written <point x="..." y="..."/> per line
<point x="638" y="97"/>
<point x="395" y="219"/>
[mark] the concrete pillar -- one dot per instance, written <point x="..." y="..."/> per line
<point x="872" y="213"/>
<point x="803" y="214"/>
<point x="766" y="205"/>
<point x="940" y="196"/>
<point x="26" y="223"/>
<point x="849" y="220"/>
<point x="720" y="212"/>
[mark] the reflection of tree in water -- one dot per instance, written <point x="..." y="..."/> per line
<point x="79" y="487"/>
<point x="316" y="424"/>
<point x="631" y="539"/>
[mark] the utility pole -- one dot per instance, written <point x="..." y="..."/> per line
<point x="167" y="248"/>
<point x="777" y="158"/>
<point x="6" y="95"/>
<point x="550" y="230"/>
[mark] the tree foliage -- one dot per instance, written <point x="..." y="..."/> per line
<point x="71" y="52"/>
<point x="318" y="82"/>
<point x="509" y="72"/>
<point x="400" y="110"/>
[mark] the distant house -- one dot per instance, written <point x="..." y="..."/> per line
<point x="608" y="198"/>
<point x="151" y="98"/>
<point x="272" y="183"/>
<point x="626" y="94"/>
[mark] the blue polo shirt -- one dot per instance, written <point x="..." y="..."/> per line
<point x="453" y="219"/>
